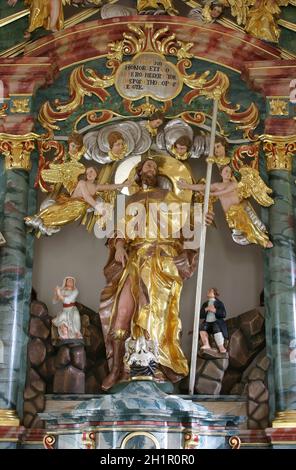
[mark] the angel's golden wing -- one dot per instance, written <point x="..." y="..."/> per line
<point x="107" y="196"/>
<point x="66" y="174"/>
<point x="251" y="184"/>
<point x="240" y="9"/>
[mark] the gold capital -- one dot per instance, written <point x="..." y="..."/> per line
<point x="17" y="150"/>
<point x="285" y="419"/>
<point x="9" y="418"/>
<point x="279" y="107"/>
<point x="20" y="105"/>
<point x="279" y="151"/>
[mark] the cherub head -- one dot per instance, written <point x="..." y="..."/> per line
<point x="156" y="119"/>
<point x="212" y="293"/>
<point x="211" y="11"/>
<point x="182" y="146"/>
<point x="226" y="173"/>
<point x="221" y="147"/>
<point x="75" y="143"/>
<point x="91" y="174"/>
<point x="216" y="10"/>
<point x="117" y="145"/>
<point x="147" y="172"/>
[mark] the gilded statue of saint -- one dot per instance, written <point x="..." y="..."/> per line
<point x="145" y="274"/>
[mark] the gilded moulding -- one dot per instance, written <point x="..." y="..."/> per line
<point x="17" y="150"/>
<point x="285" y="419"/>
<point x="279" y="151"/>
<point x="9" y="418"/>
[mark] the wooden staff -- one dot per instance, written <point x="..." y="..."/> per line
<point x="202" y="251"/>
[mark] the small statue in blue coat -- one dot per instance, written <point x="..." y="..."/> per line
<point x="213" y="311"/>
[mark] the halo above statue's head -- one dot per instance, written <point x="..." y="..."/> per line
<point x="168" y="168"/>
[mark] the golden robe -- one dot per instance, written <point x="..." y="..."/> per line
<point x="64" y="211"/>
<point x="238" y="219"/>
<point x="154" y="267"/>
<point x="40" y="15"/>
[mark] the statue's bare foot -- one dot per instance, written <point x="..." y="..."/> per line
<point x="27" y="35"/>
<point x="206" y="346"/>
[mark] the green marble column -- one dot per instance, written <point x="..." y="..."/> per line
<point x="280" y="296"/>
<point x="17" y="198"/>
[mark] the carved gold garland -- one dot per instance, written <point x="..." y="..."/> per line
<point x="86" y="82"/>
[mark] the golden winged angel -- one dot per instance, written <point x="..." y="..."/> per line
<point x="242" y="219"/>
<point x="48" y="14"/>
<point x="147" y="5"/>
<point x="259" y="17"/>
<point x="78" y="196"/>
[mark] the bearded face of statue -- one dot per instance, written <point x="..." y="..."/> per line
<point x="149" y="173"/>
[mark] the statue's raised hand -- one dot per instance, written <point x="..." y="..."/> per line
<point x="182" y="184"/>
<point x="121" y="255"/>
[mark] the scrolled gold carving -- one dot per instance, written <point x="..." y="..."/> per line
<point x="49" y="441"/>
<point x="83" y="82"/>
<point x="145" y="39"/>
<point x="3" y="109"/>
<point x="246" y="154"/>
<point x="279" y="151"/>
<point x="131" y="44"/>
<point x="17" y="150"/>
<point x="138" y="40"/>
<point x="235" y="442"/>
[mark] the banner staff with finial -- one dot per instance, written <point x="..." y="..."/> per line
<point x="210" y="161"/>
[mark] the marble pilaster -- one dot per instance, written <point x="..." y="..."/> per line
<point x="12" y="283"/>
<point x="280" y="290"/>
